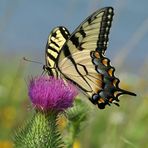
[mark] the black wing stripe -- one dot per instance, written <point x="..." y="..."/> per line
<point x="66" y="51"/>
<point x="51" y="48"/>
<point x="64" y="33"/>
<point x="69" y="55"/>
<point x="75" y="41"/>
<point x="51" y="56"/>
<point x="82" y="33"/>
<point x="55" y="44"/>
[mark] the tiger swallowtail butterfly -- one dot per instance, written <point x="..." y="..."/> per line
<point x="80" y="58"/>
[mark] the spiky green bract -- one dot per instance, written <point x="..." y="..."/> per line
<point x="40" y="132"/>
<point x="77" y="115"/>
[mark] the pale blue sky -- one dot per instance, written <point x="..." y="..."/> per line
<point x="25" y="25"/>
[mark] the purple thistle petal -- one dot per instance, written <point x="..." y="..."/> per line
<point x="49" y="93"/>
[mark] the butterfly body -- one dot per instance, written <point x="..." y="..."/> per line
<point x="79" y="57"/>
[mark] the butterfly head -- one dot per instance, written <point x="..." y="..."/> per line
<point x="45" y="68"/>
<point x="48" y="70"/>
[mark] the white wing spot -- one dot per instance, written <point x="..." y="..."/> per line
<point x="105" y="35"/>
<point x="108" y="22"/>
<point x="107" y="28"/>
<point x="110" y="10"/>
<point x="105" y="42"/>
<point x="109" y="16"/>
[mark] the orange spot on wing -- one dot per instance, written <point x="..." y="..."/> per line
<point x="110" y="72"/>
<point x="110" y="100"/>
<point x="105" y="62"/>
<point x="96" y="54"/>
<point x="101" y="100"/>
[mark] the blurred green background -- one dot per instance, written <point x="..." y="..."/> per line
<point x="24" y="28"/>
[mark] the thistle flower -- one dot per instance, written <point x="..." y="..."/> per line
<point x="51" y="94"/>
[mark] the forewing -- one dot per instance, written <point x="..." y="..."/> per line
<point x="92" y="34"/>
<point x="55" y="42"/>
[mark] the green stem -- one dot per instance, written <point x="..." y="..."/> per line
<point x="40" y="131"/>
<point x="55" y="139"/>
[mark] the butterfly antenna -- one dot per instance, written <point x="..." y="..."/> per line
<point x="25" y="59"/>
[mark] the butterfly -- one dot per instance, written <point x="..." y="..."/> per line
<point x="80" y="58"/>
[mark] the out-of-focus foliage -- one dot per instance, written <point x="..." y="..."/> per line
<point x="13" y="101"/>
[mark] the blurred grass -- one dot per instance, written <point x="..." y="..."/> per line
<point x="115" y="127"/>
<point x="13" y="100"/>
